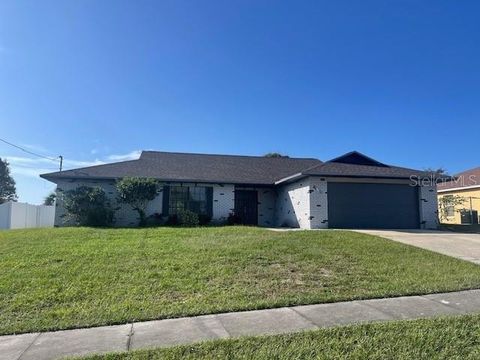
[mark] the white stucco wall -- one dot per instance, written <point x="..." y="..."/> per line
<point x="293" y="205"/>
<point x="303" y="204"/>
<point x="318" y="203"/>
<point x="223" y="202"/>
<point x="428" y="207"/>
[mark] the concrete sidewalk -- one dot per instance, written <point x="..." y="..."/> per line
<point x="53" y="345"/>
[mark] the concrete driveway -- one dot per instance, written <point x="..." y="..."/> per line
<point x="461" y="246"/>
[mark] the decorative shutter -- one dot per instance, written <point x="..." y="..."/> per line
<point x="166" y="200"/>
<point x="209" y="201"/>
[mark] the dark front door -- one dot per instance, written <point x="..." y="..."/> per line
<point x="246" y="206"/>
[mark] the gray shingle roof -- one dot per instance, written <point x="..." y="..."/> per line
<point x="355" y="164"/>
<point x="354" y="170"/>
<point x="234" y="169"/>
<point x="168" y="166"/>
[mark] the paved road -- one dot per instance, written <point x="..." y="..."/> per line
<point x="54" y="345"/>
<point x="459" y="245"/>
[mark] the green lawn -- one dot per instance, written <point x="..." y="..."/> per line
<point x="77" y="277"/>
<point x="441" y="338"/>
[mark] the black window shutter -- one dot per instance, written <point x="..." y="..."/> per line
<point x="166" y="197"/>
<point x="210" y="201"/>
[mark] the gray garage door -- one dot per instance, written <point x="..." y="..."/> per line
<point x="370" y="206"/>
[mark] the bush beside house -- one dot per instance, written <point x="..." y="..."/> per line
<point x="137" y="192"/>
<point x="88" y="206"/>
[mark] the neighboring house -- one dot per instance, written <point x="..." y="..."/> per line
<point x="351" y="191"/>
<point x="466" y="188"/>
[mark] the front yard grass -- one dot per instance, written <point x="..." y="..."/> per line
<point x="78" y="277"/>
<point x="441" y="338"/>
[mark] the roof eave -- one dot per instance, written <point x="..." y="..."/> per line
<point x="363" y="176"/>
<point x="459" y="188"/>
<point x="290" y="178"/>
<point x="302" y="175"/>
<point x="169" y="180"/>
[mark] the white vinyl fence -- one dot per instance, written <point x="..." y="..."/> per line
<point x="14" y="215"/>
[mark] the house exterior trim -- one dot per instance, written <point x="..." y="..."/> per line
<point x="471" y="187"/>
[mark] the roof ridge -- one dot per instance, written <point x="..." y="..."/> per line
<point x="228" y="155"/>
<point x="313" y="167"/>
<point x="323" y="164"/>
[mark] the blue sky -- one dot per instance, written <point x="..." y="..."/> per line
<point x="96" y="81"/>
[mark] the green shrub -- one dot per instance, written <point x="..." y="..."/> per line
<point x="233" y="219"/>
<point x="188" y="218"/>
<point x="155" y="220"/>
<point x="87" y="206"/>
<point x="172" y="220"/>
<point x="137" y="192"/>
<point x="50" y="199"/>
<point x="204" y="219"/>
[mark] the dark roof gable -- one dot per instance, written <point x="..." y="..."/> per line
<point x="356" y="158"/>
<point x="355" y="164"/>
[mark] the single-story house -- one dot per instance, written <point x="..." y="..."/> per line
<point x="351" y="191"/>
<point x="465" y="186"/>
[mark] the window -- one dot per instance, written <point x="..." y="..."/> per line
<point x="449" y="207"/>
<point x="194" y="198"/>
<point x="450" y="210"/>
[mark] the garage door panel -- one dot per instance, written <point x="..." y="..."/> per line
<point x="358" y="205"/>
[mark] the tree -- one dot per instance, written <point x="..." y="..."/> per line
<point x="8" y="192"/>
<point x="50" y="199"/>
<point x="137" y="192"/>
<point x="87" y="206"/>
<point x="448" y="204"/>
<point x="275" y="155"/>
<point x="437" y="173"/>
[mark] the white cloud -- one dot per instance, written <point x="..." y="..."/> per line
<point x="68" y="163"/>
<point x="133" y="155"/>
<point x="26" y="171"/>
<point x="31" y="166"/>
<point x="40" y="163"/>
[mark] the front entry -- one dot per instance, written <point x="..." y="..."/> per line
<point x="246" y="204"/>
